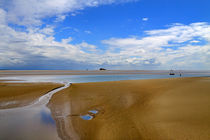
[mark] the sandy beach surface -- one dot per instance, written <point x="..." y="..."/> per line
<point x="157" y="109"/>
<point x="21" y="94"/>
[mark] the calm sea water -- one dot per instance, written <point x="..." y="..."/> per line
<point x="94" y="78"/>
<point x="35" y="121"/>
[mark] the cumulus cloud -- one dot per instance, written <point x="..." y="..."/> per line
<point x="172" y="47"/>
<point x="60" y="18"/>
<point x="181" y="46"/>
<point x="31" y="12"/>
<point x="67" y="40"/>
<point x="2" y="16"/>
<point x="176" y="46"/>
<point x="18" y="47"/>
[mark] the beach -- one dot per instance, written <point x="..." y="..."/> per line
<point x="156" y="109"/>
<point x="104" y="70"/>
<point x="21" y="94"/>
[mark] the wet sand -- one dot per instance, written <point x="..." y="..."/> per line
<point x="21" y="94"/>
<point x="157" y="109"/>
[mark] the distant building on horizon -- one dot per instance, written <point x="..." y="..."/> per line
<point x="171" y="72"/>
<point x="102" y="69"/>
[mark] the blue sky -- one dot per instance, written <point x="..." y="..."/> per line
<point x="123" y="20"/>
<point x="116" y="34"/>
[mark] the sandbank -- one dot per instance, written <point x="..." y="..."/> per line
<point x="155" y="109"/>
<point x="21" y="94"/>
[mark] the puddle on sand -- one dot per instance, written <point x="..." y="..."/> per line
<point x="93" y="111"/>
<point x="86" y="117"/>
<point x="91" y="114"/>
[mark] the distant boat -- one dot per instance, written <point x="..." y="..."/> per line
<point x="171" y="72"/>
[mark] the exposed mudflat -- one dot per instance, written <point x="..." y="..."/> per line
<point x="156" y="109"/>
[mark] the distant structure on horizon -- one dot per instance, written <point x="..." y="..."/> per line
<point x="171" y="72"/>
<point x="102" y="69"/>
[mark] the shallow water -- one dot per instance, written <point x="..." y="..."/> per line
<point x="91" y="114"/>
<point x="93" y="78"/>
<point x="93" y="111"/>
<point x="29" y="122"/>
<point x="35" y="122"/>
<point x="86" y="117"/>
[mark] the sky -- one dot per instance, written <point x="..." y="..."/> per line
<point x="114" y="34"/>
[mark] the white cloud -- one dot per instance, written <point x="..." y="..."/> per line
<point x="194" y="41"/>
<point x="60" y="18"/>
<point x="49" y="30"/>
<point x="174" y="46"/>
<point x="31" y="12"/>
<point x="145" y="19"/>
<point x="2" y="16"/>
<point x="88" y="32"/>
<point x="168" y="47"/>
<point x="86" y="45"/>
<point x="67" y="40"/>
